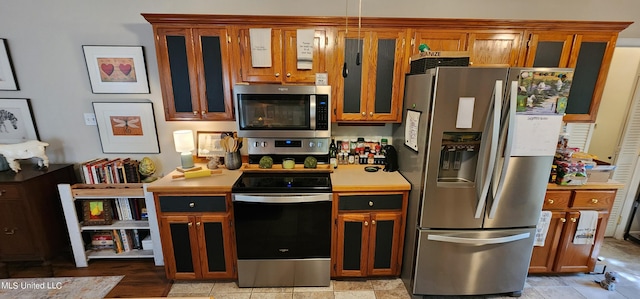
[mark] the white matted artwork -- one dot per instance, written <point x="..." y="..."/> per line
<point x="7" y="79"/>
<point x="209" y="143"/>
<point x="16" y="121"/>
<point x="116" y="69"/>
<point x="126" y="127"/>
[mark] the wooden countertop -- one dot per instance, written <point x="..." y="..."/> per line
<point x="589" y="185"/>
<point x="354" y="178"/>
<point x="215" y="183"/>
<point x="344" y="178"/>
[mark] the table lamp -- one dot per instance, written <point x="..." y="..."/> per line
<point x="183" y="140"/>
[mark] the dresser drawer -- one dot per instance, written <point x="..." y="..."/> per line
<point x="556" y="200"/>
<point x="593" y="199"/>
<point x="370" y="202"/>
<point x="170" y="204"/>
<point x="9" y="192"/>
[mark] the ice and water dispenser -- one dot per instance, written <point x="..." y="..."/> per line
<point x="459" y="156"/>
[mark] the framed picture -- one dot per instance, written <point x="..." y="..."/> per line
<point x="7" y="80"/>
<point x="16" y="121"/>
<point x="543" y="92"/>
<point x="96" y="212"/>
<point x="126" y="127"/>
<point x="209" y="143"/>
<point x="116" y="69"/>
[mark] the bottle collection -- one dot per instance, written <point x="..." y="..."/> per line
<point x="357" y="151"/>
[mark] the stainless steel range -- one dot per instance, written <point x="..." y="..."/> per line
<point x="283" y="220"/>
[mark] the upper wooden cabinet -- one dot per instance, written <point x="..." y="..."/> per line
<point x="589" y="53"/>
<point x="494" y="48"/>
<point x="438" y="40"/>
<point x="285" y="66"/>
<point x="194" y="72"/>
<point x="372" y="90"/>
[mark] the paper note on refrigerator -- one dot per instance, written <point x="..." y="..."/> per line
<point x="411" y="129"/>
<point x="536" y="135"/>
<point x="464" y="119"/>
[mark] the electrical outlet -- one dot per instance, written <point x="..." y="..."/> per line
<point x="90" y="119"/>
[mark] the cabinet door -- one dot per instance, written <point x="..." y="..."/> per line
<point x="543" y="257"/>
<point x="590" y="56"/>
<point x="384" y="243"/>
<point x="579" y="257"/>
<point x="256" y="68"/>
<point x="372" y="91"/>
<point x="494" y="48"/>
<point x="180" y="247"/>
<point x="548" y="49"/>
<point x="214" y="74"/>
<point x="215" y="246"/>
<point x="16" y="241"/>
<point x="438" y="40"/>
<point x="352" y="244"/>
<point x="299" y="73"/>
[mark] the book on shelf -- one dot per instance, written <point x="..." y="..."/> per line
<point x="110" y="171"/>
<point x="101" y="240"/>
<point x="118" y="241"/>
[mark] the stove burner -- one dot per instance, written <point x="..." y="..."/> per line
<point x="282" y="182"/>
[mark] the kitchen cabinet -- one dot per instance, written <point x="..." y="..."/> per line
<point x="494" y="47"/>
<point x="197" y="236"/>
<point x="31" y="221"/>
<point x="368" y="234"/>
<point x="588" y="53"/>
<point x="559" y="254"/>
<point x="284" y="58"/>
<point x="372" y="91"/>
<point x="194" y="66"/>
<point x="439" y="40"/>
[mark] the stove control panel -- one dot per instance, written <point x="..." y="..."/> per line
<point x="301" y="146"/>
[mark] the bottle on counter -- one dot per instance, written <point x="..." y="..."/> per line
<point x="333" y="151"/>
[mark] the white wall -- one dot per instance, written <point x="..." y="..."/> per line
<point x="45" y="39"/>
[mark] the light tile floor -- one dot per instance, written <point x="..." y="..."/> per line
<point x="620" y="256"/>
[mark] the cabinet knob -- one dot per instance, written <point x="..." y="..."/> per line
<point x="574" y="219"/>
<point x="563" y="219"/>
<point x="550" y="201"/>
<point x="371" y="113"/>
<point x="373" y="222"/>
<point x="594" y="200"/>
<point x="198" y="223"/>
<point x="371" y="203"/>
<point x="202" y="113"/>
<point x="10" y="232"/>
<point x="288" y="75"/>
<point x="191" y="204"/>
<point x="2" y="192"/>
<point x="190" y="224"/>
<point x="277" y="75"/>
<point x="366" y="223"/>
<point x="364" y="113"/>
<point x="195" y="112"/>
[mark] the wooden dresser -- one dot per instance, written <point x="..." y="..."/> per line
<point x="559" y="254"/>
<point x="31" y="219"/>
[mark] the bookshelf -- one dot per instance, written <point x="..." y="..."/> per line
<point x="79" y="232"/>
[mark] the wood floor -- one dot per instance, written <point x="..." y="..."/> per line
<point x="141" y="277"/>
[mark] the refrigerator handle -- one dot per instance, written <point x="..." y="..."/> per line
<point x="511" y="120"/>
<point x="479" y="241"/>
<point x="494" y="124"/>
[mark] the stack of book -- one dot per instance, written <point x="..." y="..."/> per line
<point x="114" y="171"/>
<point x="118" y="240"/>
<point x="125" y="208"/>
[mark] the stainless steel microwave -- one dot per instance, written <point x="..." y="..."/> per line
<point x="270" y="110"/>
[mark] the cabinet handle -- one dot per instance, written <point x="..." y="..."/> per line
<point x="574" y="219"/>
<point x="366" y="223"/>
<point x="594" y="200"/>
<point x="195" y="112"/>
<point x="373" y="222"/>
<point x="277" y="75"/>
<point x="190" y="224"/>
<point x="203" y="112"/>
<point x="198" y="223"/>
<point x="371" y="203"/>
<point x="563" y="219"/>
<point x="191" y="204"/>
<point x="7" y="232"/>
<point x="364" y="113"/>
<point x="371" y="113"/>
<point x="288" y="75"/>
<point x="550" y="201"/>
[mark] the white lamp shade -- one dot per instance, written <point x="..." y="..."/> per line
<point x="183" y="140"/>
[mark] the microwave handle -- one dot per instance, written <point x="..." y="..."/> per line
<point x="312" y="112"/>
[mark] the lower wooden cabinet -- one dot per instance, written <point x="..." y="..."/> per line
<point x="368" y="234"/>
<point x="197" y="236"/>
<point x="559" y="254"/>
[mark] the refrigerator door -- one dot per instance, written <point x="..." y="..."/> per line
<point x="458" y="262"/>
<point x="462" y="105"/>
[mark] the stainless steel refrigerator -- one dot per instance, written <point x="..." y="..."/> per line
<point x="477" y="150"/>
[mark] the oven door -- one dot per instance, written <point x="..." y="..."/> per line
<point x="282" y="226"/>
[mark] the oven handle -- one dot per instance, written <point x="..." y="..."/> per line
<point x="282" y="198"/>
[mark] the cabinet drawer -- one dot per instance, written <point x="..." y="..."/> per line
<point x="370" y="202"/>
<point x="193" y="204"/>
<point x="593" y="199"/>
<point x="9" y="192"/>
<point x="555" y="200"/>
